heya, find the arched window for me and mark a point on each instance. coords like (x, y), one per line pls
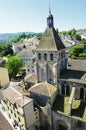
(67, 90)
(82, 93)
(45, 56)
(51, 56)
(63, 89)
(39, 56)
(62, 127)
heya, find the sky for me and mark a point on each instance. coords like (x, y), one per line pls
(30, 15)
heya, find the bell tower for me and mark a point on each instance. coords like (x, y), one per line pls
(50, 54)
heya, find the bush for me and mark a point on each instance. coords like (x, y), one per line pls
(75, 50)
(82, 55)
(73, 57)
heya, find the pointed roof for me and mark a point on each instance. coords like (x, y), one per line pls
(50, 41)
(43, 88)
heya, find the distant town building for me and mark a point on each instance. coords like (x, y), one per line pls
(17, 47)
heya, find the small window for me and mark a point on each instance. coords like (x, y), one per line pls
(45, 56)
(8, 107)
(39, 56)
(14, 114)
(50, 80)
(82, 93)
(15, 105)
(36, 117)
(9, 116)
(32, 71)
(51, 56)
(11, 111)
(19, 119)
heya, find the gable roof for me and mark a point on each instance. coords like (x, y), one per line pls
(50, 41)
(43, 88)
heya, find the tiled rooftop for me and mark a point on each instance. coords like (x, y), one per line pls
(76, 71)
(50, 41)
(31, 78)
(79, 65)
(4, 125)
(43, 88)
(14, 96)
(26, 52)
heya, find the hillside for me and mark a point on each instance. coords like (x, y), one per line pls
(6, 36)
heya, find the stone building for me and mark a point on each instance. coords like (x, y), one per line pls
(68, 111)
(50, 54)
(20, 109)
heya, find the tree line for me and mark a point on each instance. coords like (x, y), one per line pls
(23, 36)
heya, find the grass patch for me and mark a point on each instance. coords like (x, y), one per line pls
(76, 104)
(79, 111)
(61, 104)
(78, 107)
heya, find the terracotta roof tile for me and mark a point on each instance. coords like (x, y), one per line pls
(4, 124)
(15, 96)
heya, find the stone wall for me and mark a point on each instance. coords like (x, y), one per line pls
(69, 123)
(80, 89)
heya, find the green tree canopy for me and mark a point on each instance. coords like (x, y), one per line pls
(78, 37)
(76, 50)
(72, 32)
(14, 65)
(5, 50)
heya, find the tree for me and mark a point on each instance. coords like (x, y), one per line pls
(5, 50)
(83, 41)
(64, 32)
(78, 37)
(76, 50)
(72, 32)
(14, 65)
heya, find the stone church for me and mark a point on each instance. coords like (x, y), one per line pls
(60, 90)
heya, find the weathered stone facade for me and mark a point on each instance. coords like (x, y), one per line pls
(51, 62)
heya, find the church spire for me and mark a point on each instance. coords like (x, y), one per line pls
(50, 19)
(49, 10)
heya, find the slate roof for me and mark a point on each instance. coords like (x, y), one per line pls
(4, 125)
(76, 71)
(43, 88)
(50, 41)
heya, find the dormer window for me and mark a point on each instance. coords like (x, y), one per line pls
(39, 56)
(45, 56)
(51, 56)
